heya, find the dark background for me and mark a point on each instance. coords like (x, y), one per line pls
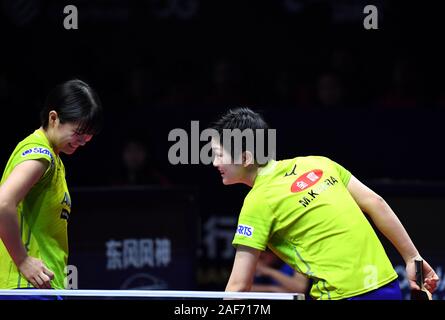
(372, 100)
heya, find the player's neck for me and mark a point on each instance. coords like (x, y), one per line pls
(48, 136)
(250, 176)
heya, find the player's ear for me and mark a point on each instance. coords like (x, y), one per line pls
(248, 158)
(52, 117)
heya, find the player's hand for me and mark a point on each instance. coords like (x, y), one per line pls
(35, 271)
(431, 278)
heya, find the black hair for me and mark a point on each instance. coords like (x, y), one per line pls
(74, 101)
(242, 119)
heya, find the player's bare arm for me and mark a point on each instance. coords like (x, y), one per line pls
(243, 270)
(12, 191)
(389, 224)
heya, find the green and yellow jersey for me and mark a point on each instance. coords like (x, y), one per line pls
(42, 214)
(301, 209)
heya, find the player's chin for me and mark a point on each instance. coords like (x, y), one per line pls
(226, 181)
(69, 151)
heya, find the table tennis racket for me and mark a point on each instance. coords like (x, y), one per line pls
(423, 293)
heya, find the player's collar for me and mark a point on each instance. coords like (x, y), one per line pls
(39, 133)
(267, 169)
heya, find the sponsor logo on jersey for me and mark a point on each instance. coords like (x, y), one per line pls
(306, 180)
(38, 150)
(64, 214)
(66, 206)
(244, 230)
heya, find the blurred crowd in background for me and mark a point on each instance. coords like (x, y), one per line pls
(152, 61)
